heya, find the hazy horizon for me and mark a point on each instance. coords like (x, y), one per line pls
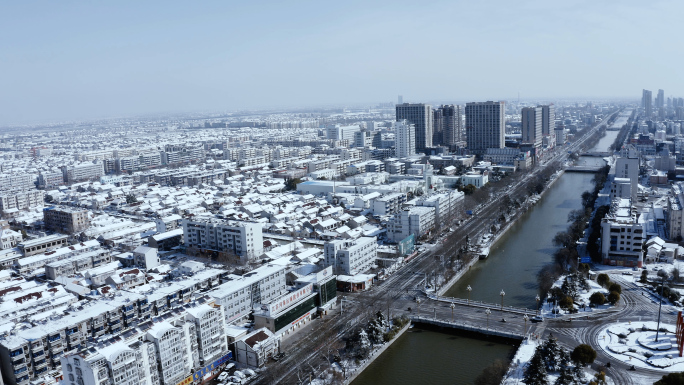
(77, 61)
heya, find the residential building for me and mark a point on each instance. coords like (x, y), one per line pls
(41, 245)
(628, 168)
(337, 132)
(82, 172)
(238, 294)
(67, 220)
(548, 118)
(50, 179)
(243, 240)
(675, 210)
(448, 117)
(351, 256)
(416, 221)
(406, 139)
(11, 182)
(485, 126)
(448, 206)
(420, 115)
(647, 103)
(21, 200)
(532, 126)
(255, 348)
(9, 238)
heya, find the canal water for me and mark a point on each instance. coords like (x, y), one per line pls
(421, 357)
(519, 255)
(427, 357)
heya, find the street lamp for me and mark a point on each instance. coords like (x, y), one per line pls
(525, 318)
(537, 299)
(660, 306)
(502, 294)
(452, 306)
(488, 312)
(469, 290)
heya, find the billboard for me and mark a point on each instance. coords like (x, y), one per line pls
(200, 373)
(288, 299)
(406, 245)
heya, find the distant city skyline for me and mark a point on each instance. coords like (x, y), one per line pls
(77, 61)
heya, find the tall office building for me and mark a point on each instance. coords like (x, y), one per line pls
(646, 103)
(485, 126)
(532, 126)
(406, 139)
(660, 99)
(420, 115)
(448, 117)
(548, 119)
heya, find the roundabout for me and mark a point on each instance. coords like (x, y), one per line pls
(641, 345)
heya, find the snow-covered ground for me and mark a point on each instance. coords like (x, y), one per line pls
(582, 302)
(634, 344)
(522, 357)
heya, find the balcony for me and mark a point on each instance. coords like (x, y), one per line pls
(39, 364)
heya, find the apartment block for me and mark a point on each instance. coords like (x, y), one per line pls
(10, 182)
(238, 294)
(417, 220)
(420, 115)
(66, 220)
(485, 126)
(351, 257)
(21, 200)
(83, 172)
(50, 179)
(242, 239)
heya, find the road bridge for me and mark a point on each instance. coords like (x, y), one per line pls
(588, 169)
(598, 154)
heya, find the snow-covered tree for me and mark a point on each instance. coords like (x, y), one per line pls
(567, 377)
(376, 329)
(552, 354)
(535, 372)
(359, 344)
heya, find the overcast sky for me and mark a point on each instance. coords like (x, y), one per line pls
(77, 60)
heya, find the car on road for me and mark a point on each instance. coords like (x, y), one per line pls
(538, 318)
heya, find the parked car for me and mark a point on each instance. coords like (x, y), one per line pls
(223, 376)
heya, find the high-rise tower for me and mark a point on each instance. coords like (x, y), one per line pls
(405, 144)
(532, 126)
(485, 126)
(420, 115)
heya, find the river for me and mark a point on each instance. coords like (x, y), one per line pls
(422, 357)
(427, 357)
